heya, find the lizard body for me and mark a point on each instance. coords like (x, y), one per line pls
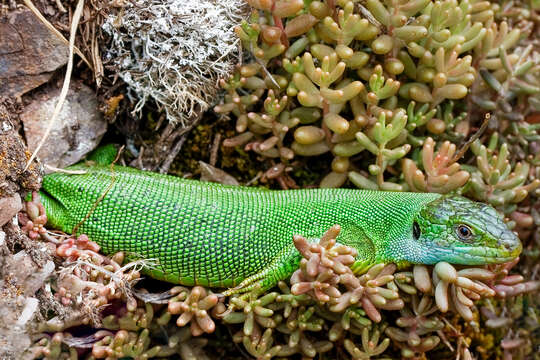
(224, 236)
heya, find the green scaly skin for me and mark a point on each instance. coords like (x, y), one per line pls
(223, 236)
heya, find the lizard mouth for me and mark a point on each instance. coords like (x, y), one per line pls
(479, 255)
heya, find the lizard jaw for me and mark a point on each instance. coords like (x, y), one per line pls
(480, 255)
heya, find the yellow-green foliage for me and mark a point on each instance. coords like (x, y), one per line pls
(370, 81)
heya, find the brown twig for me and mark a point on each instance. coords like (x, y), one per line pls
(215, 149)
(182, 133)
(473, 138)
(102, 196)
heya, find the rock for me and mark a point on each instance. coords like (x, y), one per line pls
(9, 207)
(20, 279)
(29, 53)
(14, 155)
(77, 130)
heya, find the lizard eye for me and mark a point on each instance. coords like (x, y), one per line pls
(416, 230)
(464, 232)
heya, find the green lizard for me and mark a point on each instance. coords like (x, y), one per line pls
(224, 236)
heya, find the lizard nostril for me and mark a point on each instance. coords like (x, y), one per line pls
(509, 240)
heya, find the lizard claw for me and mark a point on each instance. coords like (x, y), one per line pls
(248, 284)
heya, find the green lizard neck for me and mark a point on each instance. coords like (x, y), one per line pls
(379, 225)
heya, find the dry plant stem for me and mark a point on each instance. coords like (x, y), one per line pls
(104, 193)
(60, 6)
(55, 169)
(96, 57)
(194, 121)
(215, 149)
(473, 138)
(164, 168)
(41, 18)
(65, 87)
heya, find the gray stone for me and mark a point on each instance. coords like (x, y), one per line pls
(77, 130)
(29, 53)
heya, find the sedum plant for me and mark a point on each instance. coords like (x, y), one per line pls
(369, 82)
(422, 95)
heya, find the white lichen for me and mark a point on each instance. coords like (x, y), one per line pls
(174, 51)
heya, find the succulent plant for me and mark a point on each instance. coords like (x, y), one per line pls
(496, 181)
(335, 73)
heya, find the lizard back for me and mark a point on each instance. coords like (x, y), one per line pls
(210, 234)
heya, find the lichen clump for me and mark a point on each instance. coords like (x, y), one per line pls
(173, 51)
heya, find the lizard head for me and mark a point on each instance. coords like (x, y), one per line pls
(460, 231)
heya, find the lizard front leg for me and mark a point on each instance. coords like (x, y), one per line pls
(280, 268)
